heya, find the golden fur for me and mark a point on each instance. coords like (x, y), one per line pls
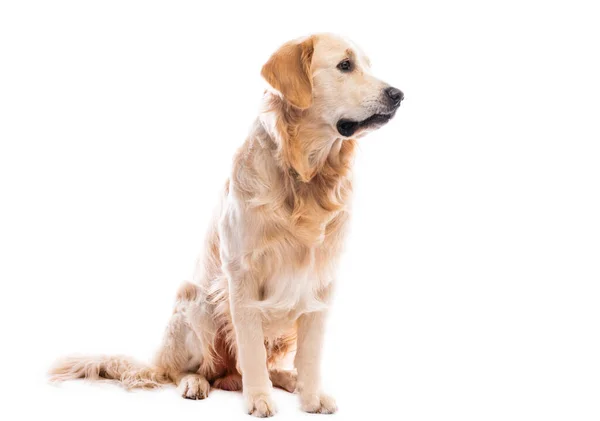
(263, 285)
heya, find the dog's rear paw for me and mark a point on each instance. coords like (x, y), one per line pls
(284, 379)
(318, 403)
(261, 405)
(194, 386)
(232, 382)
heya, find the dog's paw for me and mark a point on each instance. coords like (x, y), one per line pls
(194, 386)
(231, 382)
(260, 405)
(318, 403)
(284, 379)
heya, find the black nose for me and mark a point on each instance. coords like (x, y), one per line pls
(395, 95)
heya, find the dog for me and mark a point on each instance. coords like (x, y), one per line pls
(262, 287)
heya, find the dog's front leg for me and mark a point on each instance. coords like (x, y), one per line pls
(252, 355)
(308, 363)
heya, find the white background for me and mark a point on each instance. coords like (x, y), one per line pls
(469, 289)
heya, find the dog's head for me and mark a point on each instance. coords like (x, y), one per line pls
(329, 78)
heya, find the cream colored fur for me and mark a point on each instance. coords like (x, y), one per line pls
(263, 285)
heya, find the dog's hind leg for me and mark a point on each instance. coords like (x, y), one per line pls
(182, 353)
(283, 379)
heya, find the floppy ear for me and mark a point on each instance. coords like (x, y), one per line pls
(288, 71)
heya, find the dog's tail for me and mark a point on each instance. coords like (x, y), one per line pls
(129, 373)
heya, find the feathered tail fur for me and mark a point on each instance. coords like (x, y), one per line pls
(130, 373)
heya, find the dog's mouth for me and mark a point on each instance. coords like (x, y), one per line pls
(348, 127)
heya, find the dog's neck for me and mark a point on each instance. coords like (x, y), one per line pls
(302, 147)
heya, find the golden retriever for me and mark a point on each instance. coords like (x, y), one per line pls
(263, 285)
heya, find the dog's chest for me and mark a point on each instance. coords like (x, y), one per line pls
(306, 254)
(309, 212)
(303, 277)
(294, 291)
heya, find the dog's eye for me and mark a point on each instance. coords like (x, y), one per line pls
(345, 65)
